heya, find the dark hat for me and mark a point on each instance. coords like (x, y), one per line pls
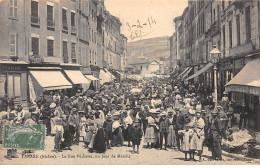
(214, 113)
(97, 105)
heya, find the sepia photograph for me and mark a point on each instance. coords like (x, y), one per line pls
(130, 82)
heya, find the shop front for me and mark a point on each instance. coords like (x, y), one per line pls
(46, 81)
(74, 75)
(245, 86)
(13, 81)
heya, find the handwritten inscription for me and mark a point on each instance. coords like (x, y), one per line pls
(139, 29)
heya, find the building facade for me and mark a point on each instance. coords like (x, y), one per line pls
(53, 35)
(233, 26)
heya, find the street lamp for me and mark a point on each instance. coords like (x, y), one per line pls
(214, 56)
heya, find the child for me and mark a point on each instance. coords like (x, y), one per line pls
(58, 128)
(187, 133)
(136, 136)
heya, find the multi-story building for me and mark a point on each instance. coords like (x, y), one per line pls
(50, 42)
(112, 57)
(233, 26)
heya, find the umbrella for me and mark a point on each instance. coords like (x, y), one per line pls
(136, 90)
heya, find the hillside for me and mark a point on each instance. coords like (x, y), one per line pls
(153, 48)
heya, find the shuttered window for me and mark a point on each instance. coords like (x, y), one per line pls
(65, 52)
(50, 47)
(34, 9)
(73, 53)
(64, 19)
(13, 41)
(35, 46)
(73, 19)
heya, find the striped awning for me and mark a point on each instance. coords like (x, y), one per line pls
(202, 70)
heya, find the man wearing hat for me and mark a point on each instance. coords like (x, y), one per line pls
(225, 101)
(164, 125)
(47, 112)
(199, 130)
(244, 115)
(216, 133)
(108, 129)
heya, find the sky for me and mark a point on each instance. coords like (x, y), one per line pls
(142, 19)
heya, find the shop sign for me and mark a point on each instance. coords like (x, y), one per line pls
(12, 68)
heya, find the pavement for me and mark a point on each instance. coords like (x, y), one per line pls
(117, 156)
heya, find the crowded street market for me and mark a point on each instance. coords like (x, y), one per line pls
(162, 113)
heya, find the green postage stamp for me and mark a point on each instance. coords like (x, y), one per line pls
(24, 137)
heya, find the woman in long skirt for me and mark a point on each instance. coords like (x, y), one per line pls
(117, 136)
(99, 141)
(90, 129)
(149, 133)
(172, 135)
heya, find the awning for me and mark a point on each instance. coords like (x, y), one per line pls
(185, 70)
(186, 73)
(105, 76)
(247, 80)
(51, 79)
(202, 70)
(91, 77)
(76, 77)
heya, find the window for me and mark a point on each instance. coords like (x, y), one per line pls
(64, 19)
(90, 57)
(13, 8)
(248, 24)
(50, 47)
(214, 15)
(223, 4)
(92, 15)
(95, 59)
(224, 39)
(238, 29)
(230, 33)
(65, 52)
(73, 53)
(35, 12)
(35, 46)
(218, 10)
(13, 38)
(13, 85)
(92, 36)
(50, 19)
(73, 19)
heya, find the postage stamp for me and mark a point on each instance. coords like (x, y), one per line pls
(24, 137)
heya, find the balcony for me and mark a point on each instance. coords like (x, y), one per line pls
(241, 49)
(239, 4)
(38, 59)
(50, 24)
(65, 28)
(101, 17)
(35, 21)
(214, 29)
(73, 30)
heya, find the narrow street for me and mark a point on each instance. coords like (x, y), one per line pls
(116, 155)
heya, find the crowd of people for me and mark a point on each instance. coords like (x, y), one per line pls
(165, 114)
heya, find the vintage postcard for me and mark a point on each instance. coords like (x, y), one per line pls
(129, 82)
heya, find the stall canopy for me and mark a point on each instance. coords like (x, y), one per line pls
(91, 77)
(186, 73)
(183, 72)
(77, 77)
(105, 76)
(202, 70)
(51, 79)
(247, 80)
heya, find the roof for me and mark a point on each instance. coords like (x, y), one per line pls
(139, 61)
